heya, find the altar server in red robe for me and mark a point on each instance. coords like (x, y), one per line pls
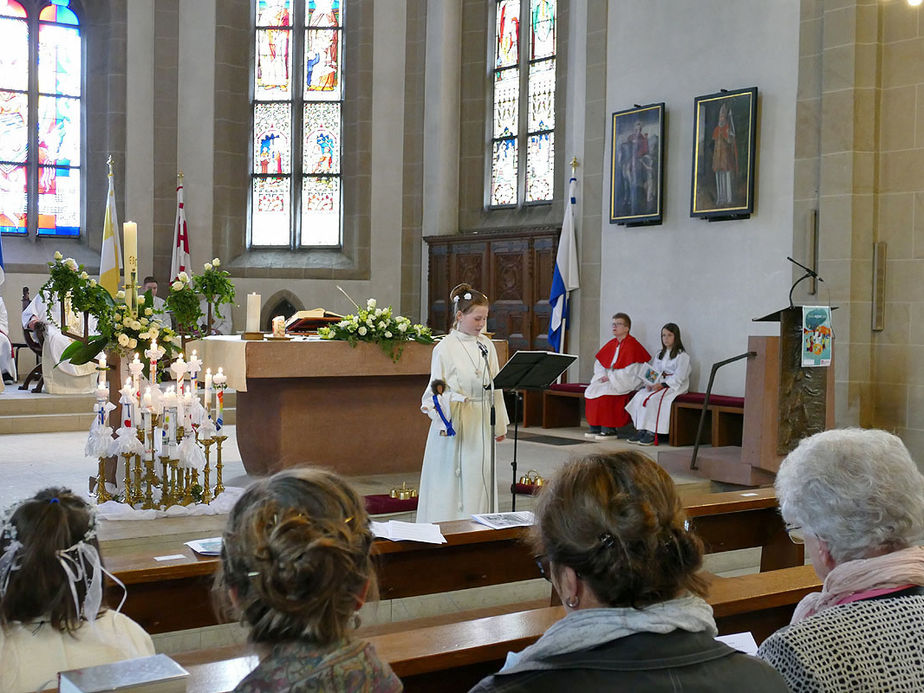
(616, 378)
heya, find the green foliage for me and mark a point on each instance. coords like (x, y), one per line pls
(215, 285)
(183, 303)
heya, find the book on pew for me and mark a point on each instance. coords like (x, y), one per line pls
(206, 547)
(504, 520)
(157, 674)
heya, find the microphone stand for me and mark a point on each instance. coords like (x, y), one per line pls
(492, 496)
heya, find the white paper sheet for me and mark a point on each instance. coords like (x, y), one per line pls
(743, 642)
(504, 520)
(396, 530)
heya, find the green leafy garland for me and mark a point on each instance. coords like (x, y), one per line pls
(215, 284)
(379, 326)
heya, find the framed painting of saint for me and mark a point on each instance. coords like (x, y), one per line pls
(636, 166)
(724, 145)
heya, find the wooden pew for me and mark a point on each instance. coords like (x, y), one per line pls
(453, 657)
(474, 556)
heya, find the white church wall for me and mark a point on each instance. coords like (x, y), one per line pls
(710, 278)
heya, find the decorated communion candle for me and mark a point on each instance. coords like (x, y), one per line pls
(193, 366)
(252, 323)
(153, 355)
(279, 326)
(101, 377)
(207, 397)
(220, 381)
(135, 368)
(130, 250)
(128, 405)
(179, 368)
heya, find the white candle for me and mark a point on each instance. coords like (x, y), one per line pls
(207, 397)
(253, 313)
(146, 400)
(101, 367)
(193, 366)
(135, 368)
(130, 245)
(220, 380)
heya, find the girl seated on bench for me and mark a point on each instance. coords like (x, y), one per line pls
(650, 408)
(296, 567)
(51, 589)
(611, 537)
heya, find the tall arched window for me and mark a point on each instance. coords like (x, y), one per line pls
(41, 69)
(296, 191)
(522, 149)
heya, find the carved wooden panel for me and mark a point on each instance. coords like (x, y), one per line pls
(513, 268)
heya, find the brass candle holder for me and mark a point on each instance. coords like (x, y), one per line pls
(102, 495)
(148, 503)
(206, 491)
(165, 499)
(219, 488)
(129, 496)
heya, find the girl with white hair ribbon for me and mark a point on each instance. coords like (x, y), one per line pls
(52, 616)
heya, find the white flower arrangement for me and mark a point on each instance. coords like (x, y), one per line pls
(380, 326)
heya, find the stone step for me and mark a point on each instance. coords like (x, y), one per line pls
(54, 423)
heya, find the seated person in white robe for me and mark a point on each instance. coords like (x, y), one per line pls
(7, 362)
(650, 408)
(66, 379)
(220, 325)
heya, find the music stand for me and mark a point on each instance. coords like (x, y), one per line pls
(526, 370)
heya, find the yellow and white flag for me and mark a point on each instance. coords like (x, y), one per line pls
(111, 251)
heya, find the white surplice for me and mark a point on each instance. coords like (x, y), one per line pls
(66, 378)
(652, 411)
(455, 478)
(7, 363)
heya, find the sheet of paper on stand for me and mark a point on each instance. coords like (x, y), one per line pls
(395, 530)
(743, 642)
(206, 547)
(502, 520)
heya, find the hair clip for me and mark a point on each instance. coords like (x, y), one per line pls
(608, 540)
(54, 500)
(467, 296)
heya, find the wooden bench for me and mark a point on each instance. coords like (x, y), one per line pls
(453, 657)
(558, 407)
(474, 556)
(724, 419)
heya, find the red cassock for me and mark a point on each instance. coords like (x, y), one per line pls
(610, 410)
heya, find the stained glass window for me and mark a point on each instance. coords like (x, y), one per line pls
(297, 123)
(41, 132)
(522, 151)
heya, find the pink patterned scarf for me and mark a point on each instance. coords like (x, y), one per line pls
(893, 570)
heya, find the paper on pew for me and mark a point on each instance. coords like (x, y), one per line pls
(395, 530)
(206, 547)
(503, 520)
(743, 642)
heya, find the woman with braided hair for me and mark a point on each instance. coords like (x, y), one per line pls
(52, 616)
(295, 568)
(611, 538)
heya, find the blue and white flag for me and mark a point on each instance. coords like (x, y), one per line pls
(565, 279)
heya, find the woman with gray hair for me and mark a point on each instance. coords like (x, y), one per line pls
(856, 500)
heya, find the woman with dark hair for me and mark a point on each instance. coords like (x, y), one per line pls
(455, 479)
(612, 540)
(51, 588)
(855, 498)
(295, 568)
(650, 408)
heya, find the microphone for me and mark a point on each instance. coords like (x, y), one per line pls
(483, 349)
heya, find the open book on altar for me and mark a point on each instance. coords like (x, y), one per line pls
(311, 320)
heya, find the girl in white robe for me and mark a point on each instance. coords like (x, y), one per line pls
(455, 480)
(650, 408)
(7, 362)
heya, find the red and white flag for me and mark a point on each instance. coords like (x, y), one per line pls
(180, 261)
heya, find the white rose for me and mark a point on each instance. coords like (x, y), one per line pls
(362, 330)
(215, 262)
(378, 312)
(402, 327)
(369, 322)
(370, 304)
(84, 275)
(58, 255)
(143, 321)
(71, 264)
(132, 343)
(183, 277)
(177, 285)
(92, 282)
(136, 325)
(123, 340)
(387, 334)
(381, 325)
(207, 266)
(140, 298)
(143, 335)
(148, 311)
(127, 322)
(120, 294)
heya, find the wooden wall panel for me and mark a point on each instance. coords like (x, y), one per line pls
(513, 268)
